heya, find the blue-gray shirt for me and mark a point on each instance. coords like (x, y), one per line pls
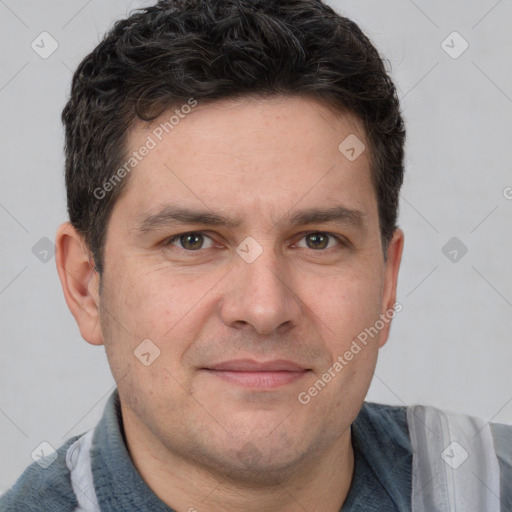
(381, 481)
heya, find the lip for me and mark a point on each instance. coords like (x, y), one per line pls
(249, 365)
(254, 374)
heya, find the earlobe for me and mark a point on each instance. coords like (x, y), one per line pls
(80, 282)
(392, 267)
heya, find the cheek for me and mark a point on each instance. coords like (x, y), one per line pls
(146, 332)
(347, 304)
(146, 300)
(168, 309)
(164, 303)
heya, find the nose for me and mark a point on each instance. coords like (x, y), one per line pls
(261, 295)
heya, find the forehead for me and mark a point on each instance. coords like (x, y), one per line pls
(251, 155)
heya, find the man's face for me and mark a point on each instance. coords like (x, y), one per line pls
(233, 308)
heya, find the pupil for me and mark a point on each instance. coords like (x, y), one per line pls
(194, 239)
(318, 240)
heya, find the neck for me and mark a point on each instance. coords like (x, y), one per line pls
(320, 483)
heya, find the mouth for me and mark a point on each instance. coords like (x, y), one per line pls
(261, 375)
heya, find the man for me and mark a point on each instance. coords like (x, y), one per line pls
(233, 171)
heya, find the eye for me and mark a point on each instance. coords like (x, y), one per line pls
(192, 241)
(318, 240)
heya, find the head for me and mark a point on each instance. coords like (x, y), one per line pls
(241, 111)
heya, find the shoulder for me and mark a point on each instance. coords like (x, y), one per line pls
(42, 488)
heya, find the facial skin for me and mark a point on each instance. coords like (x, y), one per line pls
(197, 437)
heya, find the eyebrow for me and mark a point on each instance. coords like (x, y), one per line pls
(175, 215)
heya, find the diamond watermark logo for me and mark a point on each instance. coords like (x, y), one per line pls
(351, 147)
(147, 352)
(249, 250)
(44, 250)
(454, 249)
(44, 45)
(454, 45)
(249, 454)
(45, 455)
(454, 455)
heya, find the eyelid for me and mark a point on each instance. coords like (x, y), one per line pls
(170, 240)
(343, 242)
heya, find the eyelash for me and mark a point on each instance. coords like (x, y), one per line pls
(169, 241)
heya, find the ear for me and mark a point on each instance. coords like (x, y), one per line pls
(80, 282)
(391, 268)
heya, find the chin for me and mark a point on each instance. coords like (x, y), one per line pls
(256, 466)
(261, 460)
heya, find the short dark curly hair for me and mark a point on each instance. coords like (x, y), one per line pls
(163, 55)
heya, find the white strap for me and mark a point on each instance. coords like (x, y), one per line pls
(455, 468)
(78, 461)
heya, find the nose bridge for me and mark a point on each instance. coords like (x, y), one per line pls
(266, 275)
(261, 294)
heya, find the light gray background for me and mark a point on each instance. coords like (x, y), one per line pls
(449, 347)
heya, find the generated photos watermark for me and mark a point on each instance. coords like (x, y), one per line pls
(358, 343)
(152, 141)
